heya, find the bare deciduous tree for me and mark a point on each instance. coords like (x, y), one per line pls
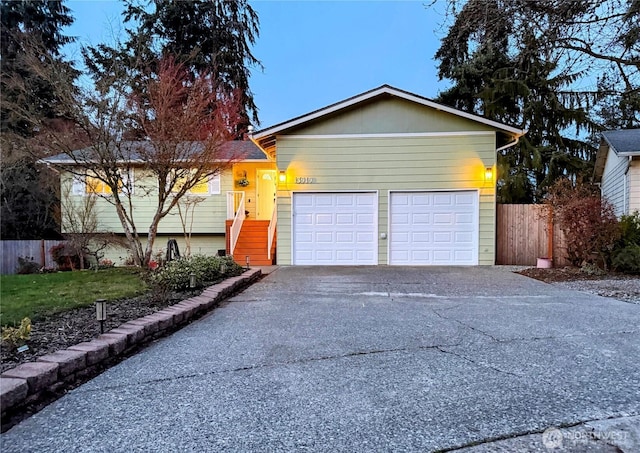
(181, 123)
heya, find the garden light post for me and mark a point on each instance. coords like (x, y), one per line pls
(101, 313)
(192, 280)
(247, 262)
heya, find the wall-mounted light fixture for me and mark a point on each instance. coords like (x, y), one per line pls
(283, 176)
(488, 174)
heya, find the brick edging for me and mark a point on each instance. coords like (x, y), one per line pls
(29, 383)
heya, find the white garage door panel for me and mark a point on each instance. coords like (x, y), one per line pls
(335, 228)
(439, 228)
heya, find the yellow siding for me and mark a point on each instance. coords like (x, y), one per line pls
(250, 170)
(209, 218)
(387, 164)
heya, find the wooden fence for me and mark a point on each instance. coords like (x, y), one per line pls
(522, 236)
(39, 250)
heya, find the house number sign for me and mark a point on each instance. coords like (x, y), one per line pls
(305, 180)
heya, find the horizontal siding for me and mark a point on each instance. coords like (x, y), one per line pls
(283, 251)
(209, 214)
(389, 115)
(613, 185)
(388, 164)
(200, 245)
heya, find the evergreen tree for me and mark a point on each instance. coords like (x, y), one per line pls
(516, 62)
(30, 28)
(212, 37)
(33, 74)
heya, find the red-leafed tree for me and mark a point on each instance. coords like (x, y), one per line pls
(180, 124)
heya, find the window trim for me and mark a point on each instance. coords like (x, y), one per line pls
(80, 185)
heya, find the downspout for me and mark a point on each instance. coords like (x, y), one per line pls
(508, 145)
(513, 143)
(624, 187)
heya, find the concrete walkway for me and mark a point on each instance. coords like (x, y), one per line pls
(370, 359)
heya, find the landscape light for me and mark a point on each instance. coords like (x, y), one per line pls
(101, 313)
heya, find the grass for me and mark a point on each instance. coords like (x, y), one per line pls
(37, 295)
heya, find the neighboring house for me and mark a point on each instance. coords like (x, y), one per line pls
(386, 177)
(617, 169)
(246, 190)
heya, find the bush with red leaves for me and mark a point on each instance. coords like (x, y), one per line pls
(588, 222)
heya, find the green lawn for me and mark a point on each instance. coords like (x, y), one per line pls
(36, 295)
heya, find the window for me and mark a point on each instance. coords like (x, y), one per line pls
(209, 186)
(85, 185)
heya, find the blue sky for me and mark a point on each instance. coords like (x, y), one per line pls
(315, 53)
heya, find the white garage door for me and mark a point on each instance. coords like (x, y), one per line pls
(433, 228)
(335, 228)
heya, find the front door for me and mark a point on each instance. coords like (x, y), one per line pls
(266, 188)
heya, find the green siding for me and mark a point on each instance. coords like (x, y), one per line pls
(209, 214)
(200, 245)
(386, 164)
(388, 115)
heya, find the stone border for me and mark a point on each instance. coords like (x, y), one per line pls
(36, 382)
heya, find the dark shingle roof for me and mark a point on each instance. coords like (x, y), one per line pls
(130, 152)
(625, 141)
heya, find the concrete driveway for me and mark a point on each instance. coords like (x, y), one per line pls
(370, 359)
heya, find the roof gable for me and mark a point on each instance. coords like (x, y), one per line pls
(624, 142)
(387, 115)
(265, 137)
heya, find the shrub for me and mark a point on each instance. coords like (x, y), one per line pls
(629, 230)
(627, 259)
(588, 222)
(176, 275)
(14, 337)
(65, 257)
(26, 265)
(105, 264)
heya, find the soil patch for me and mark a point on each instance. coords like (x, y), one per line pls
(567, 274)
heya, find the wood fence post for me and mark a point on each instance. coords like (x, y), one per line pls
(43, 255)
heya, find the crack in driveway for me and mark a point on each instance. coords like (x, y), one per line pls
(279, 364)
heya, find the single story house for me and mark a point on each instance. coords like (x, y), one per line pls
(617, 169)
(383, 177)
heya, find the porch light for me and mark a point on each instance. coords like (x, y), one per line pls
(488, 174)
(283, 176)
(101, 313)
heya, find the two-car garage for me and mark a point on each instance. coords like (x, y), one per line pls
(424, 228)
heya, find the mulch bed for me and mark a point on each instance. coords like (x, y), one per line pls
(567, 274)
(71, 327)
